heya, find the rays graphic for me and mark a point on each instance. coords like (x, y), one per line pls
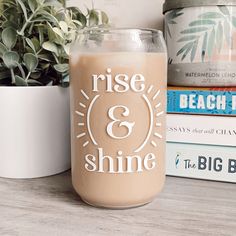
(85, 118)
(151, 96)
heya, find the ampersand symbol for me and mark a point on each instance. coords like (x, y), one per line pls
(126, 124)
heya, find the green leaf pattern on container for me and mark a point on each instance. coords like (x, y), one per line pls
(208, 33)
(170, 20)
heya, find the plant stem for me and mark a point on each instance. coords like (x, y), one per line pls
(56, 59)
(13, 79)
(21, 32)
(21, 70)
(40, 50)
(27, 77)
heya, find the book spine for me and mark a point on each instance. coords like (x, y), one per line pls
(201, 161)
(213, 130)
(206, 102)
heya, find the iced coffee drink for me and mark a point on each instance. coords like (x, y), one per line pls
(118, 100)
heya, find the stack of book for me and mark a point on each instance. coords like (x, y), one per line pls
(201, 133)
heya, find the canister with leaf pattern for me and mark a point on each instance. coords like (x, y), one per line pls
(201, 40)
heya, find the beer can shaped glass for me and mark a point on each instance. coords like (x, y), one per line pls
(118, 102)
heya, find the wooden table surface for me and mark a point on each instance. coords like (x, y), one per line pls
(49, 206)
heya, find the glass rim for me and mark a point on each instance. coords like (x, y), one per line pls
(121, 31)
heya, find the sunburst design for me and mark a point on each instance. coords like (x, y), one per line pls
(82, 105)
(156, 95)
(158, 105)
(157, 135)
(86, 143)
(153, 143)
(85, 118)
(81, 135)
(153, 97)
(79, 113)
(159, 113)
(150, 89)
(84, 94)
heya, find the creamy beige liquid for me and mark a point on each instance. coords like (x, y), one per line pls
(118, 110)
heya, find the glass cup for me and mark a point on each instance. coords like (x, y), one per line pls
(118, 102)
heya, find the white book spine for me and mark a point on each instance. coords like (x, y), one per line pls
(213, 130)
(201, 161)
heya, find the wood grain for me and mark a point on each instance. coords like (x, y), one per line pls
(49, 206)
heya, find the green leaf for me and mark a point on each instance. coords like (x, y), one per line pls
(224, 10)
(9, 23)
(211, 15)
(58, 32)
(9, 37)
(64, 26)
(184, 48)
(188, 38)
(41, 34)
(11, 59)
(45, 57)
(49, 46)
(33, 5)
(51, 34)
(31, 61)
(65, 81)
(202, 22)
(45, 66)
(4, 74)
(50, 83)
(194, 50)
(30, 43)
(82, 18)
(54, 35)
(219, 37)
(34, 82)
(36, 44)
(168, 30)
(23, 7)
(194, 30)
(67, 49)
(174, 14)
(93, 18)
(77, 15)
(105, 19)
(44, 15)
(188, 50)
(52, 3)
(20, 81)
(78, 23)
(41, 2)
(35, 75)
(61, 68)
(211, 43)
(3, 49)
(204, 46)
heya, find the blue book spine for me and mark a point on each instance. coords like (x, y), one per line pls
(203, 102)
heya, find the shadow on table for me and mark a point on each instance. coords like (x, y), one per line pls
(59, 187)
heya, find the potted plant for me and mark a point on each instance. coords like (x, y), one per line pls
(35, 37)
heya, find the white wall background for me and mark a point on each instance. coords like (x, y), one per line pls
(128, 13)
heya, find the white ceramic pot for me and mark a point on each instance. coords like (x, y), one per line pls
(34, 131)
